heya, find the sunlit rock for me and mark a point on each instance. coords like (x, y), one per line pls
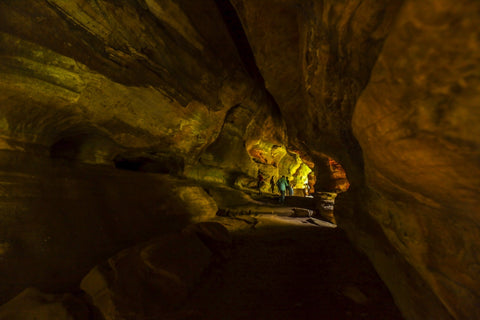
(338, 176)
(325, 206)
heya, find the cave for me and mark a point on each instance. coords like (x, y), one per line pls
(132, 135)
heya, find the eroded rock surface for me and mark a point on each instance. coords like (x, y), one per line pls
(147, 281)
(59, 219)
(417, 123)
(147, 86)
(216, 91)
(34, 304)
(117, 80)
(154, 279)
(315, 57)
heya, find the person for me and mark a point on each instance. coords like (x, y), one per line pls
(272, 184)
(282, 186)
(306, 190)
(289, 193)
(291, 185)
(260, 182)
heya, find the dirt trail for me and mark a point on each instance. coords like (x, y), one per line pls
(278, 270)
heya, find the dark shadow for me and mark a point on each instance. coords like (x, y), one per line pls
(235, 28)
(293, 273)
(68, 147)
(158, 163)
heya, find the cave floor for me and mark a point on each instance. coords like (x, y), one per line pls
(290, 268)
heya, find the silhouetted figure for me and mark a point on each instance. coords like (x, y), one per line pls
(289, 188)
(306, 189)
(260, 182)
(282, 187)
(272, 184)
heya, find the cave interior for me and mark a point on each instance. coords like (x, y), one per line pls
(142, 143)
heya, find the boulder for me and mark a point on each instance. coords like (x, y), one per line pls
(32, 304)
(300, 212)
(213, 234)
(148, 280)
(197, 202)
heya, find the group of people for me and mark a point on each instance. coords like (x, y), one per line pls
(283, 185)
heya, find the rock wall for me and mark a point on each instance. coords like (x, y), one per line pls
(412, 157)
(58, 219)
(316, 57)
(216, 92)
(417, 123)
(95, 80)
(87, 86)
(140, 85)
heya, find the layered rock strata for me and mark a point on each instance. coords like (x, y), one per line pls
(89, 86)
(421, 107)
(217, 92)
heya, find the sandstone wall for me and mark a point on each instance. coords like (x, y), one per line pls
(417, 123)
(94, 80)
(141, 85)
(316, 57)
(58, 219)
(412, 157)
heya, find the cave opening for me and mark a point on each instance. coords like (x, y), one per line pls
(312, 185)
(320, 181)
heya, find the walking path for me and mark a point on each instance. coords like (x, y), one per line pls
(282, 267)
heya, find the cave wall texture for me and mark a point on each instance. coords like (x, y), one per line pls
(425, 181)
(87, 86)
(215, 91)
